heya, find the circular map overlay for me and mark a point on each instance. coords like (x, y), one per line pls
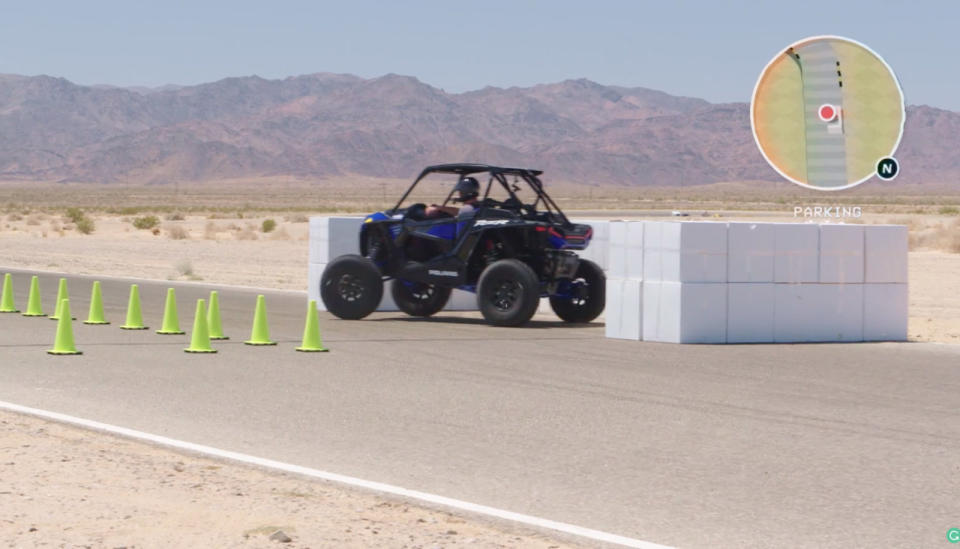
(825, 110)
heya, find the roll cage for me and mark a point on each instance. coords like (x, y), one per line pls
(499, 175)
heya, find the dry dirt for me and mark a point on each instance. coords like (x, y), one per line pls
(67, 487)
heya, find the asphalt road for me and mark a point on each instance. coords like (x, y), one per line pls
(839, 445)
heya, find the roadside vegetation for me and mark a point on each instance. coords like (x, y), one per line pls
(255, 210)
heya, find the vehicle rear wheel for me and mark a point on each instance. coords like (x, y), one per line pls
(588, 295)
(351, 287)
(508, 293)
(419, 299)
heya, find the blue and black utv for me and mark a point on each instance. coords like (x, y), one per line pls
(508, 251)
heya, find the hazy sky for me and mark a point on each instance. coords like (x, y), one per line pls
(702, 49)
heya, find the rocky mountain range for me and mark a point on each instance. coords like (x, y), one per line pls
(324, 125)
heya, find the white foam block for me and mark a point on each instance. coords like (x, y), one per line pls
(684, 312)
(319, 243)
(750, 312)
(634, 249)
(617, 249)
(885, 253)
(613, 328)
(600, 243)
(818, 312)
(386, 302)
(652, 250)
(624, 311)
(461, 301)
(314, 271)
(632, 312)
(318, 227)
(333, 236)
(841, 254)
(686, 252)
(885, 312)
(750, 252)
(796, 253)
(344, 236)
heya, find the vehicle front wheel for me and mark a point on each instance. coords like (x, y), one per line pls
(508, 293)
(419, 299)
(351, 287)
(587, 295)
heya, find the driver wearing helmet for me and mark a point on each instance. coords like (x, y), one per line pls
(468, 190)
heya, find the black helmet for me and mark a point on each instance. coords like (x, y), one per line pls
(466, 189)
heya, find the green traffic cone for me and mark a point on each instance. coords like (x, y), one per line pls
(63, 345)
(213, 317)
(61, 295)
(96, 316)
(134, 317)
(200, 339)
(171, 321)
(311, 331)
(6, 300)
(260, 335)
(34, 308)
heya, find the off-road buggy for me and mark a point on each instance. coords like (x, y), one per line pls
(507, 251)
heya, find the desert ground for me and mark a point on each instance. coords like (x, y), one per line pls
(217, 233)
(69, 487)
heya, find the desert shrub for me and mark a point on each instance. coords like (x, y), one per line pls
(175, 216)
(33, 220)
(126, 210)
(146, 222)
(75, 215)
(268, 225)
(85, 225)
(298, 218)
(14, 217)
(184, 267)
(176, 232)
(949, 210)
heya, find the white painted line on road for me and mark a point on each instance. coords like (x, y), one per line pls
(547, 524)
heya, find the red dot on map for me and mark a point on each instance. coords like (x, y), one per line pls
(827, 113)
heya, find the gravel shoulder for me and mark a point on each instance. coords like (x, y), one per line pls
(66, 486)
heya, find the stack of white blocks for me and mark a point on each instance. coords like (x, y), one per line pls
(331, 237)
(707, 282)
(623, 314)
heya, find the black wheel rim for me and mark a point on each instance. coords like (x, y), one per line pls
(506, 294)
(422, 293)
(349, 288)
(581, 294)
